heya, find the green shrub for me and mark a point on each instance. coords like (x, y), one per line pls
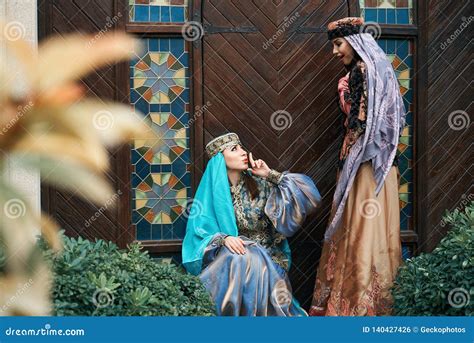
(441, 282)
(97, 279)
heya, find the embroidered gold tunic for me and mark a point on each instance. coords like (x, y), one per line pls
(252, 221)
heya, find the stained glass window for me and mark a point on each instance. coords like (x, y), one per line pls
(158, 11)
(407, 252)
(387, 11)
(160, 167)
(400, 54)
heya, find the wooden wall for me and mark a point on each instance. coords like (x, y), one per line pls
(445, 157)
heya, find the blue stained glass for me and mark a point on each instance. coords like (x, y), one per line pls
(403, 16)
(382, 16)
(142, 168)
(155, 13)
(186, 179)
(177, 14)
(398, 51)
(391, 18)
(180, 228)
(160, 181)
(391, 46)
(406, 252)
(387, 12)
(177, 49)
(135, 180)
(142, 105)
(164, 45)
(166, 108)
(156, 168)
(142, 13)
(165, 14)
(166, 168)
(179, 168)
(135, 156)
(156, 232)
(402, 49)
(143, 230)
(153, 45)
(371, 15)
(167, 232)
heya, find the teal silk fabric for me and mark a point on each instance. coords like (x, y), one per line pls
(211, 212)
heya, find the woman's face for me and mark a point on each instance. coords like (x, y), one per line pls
(342, 49)
(236, 158)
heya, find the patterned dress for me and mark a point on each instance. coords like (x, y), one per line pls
(256, 283)
(360, 261)
(252, 221)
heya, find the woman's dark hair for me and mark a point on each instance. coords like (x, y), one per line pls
(356, 90)
(251, 185)
(354, 61)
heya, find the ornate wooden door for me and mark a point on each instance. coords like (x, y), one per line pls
(264, 69)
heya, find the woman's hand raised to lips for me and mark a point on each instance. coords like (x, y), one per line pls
(259, 167)
(235, 244)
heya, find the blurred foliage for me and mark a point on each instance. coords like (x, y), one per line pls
(440, 283)
(47, 125)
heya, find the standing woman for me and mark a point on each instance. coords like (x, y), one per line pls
(237, 228)
(362, 248)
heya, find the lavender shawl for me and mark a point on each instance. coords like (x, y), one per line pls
(385, 120)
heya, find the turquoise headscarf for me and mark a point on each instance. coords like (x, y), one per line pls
(211, 212)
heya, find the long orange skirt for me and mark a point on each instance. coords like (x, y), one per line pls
(359, 263)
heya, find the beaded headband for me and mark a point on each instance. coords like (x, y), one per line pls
(345, 27)
(221, 143)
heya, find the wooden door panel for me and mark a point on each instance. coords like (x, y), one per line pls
(74, 215)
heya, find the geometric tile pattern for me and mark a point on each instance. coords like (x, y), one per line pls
(161, 177)
(400, 53)
(387, 11)
(158, 11)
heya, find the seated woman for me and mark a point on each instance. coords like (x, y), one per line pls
(237, 229)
